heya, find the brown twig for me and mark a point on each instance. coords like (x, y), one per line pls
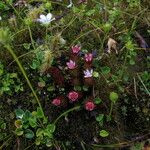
(135, 88)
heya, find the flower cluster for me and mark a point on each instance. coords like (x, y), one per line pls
(80, 72)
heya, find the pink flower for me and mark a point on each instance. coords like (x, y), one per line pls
(56, 102)
(76, 49)
(88, 57)
(73, 96)
(88, 73)
(89, 105)
(71, 64)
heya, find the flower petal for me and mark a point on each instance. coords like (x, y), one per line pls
(49, 16)
(43, 17)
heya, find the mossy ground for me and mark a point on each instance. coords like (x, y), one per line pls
(79, 129)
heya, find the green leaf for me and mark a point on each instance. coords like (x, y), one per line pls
(51, 128)
(38, 141)
(90, 12)
(132, 62)
(5, 37)
(129, 45)
(49, 143)
(76, 10)
(18, 123)
(13, 75)
(26, 116)
(39, 132)
(25, 125)
(113, 97)
(104, 133)
(45, 120)
(107, 27)
(19, 131)
(48, 133)
(3, 6)
(39, 113)
(1, 71)
(19, 113)
(39, 55)
(97, 100)
(77, 88)
(100, 117)
(2, 136)
(3, 126)
(85, 88)
(34, 113)
(33, 122)
(108, 118)
(138, 146)
(35, 64)
(95, 74)
(48, 5)
(29, 134)
(27, 45)
(41, 84)
(51, 88)
(105, 70)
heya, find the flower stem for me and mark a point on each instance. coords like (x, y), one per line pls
(111, 108)
(31, 37)
(25, 75)
(66, 112)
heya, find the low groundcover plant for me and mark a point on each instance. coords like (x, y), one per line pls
(74, 75)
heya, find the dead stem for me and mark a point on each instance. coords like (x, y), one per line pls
(143, 84)
(135, 88)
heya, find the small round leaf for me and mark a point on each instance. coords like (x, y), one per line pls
(103, 133)
(97, 100)
(51, 128)
(19, 131)
(100, 117)
(113, 97)
(19, 113)
(18, 123)
(29, 134)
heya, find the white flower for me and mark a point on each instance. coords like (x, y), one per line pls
(0, 18)
(46, 19)
(88, 73)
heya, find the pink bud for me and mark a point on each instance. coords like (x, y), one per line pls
(73, 96)
(71, 64)
(88, 57)
(89, 105)
(75, 49)
(56, 102)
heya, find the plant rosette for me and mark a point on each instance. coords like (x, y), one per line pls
(88, 77)
(73, 69)
(75, 50)
(88, 59)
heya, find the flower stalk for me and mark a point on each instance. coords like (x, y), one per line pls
(8, 47)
